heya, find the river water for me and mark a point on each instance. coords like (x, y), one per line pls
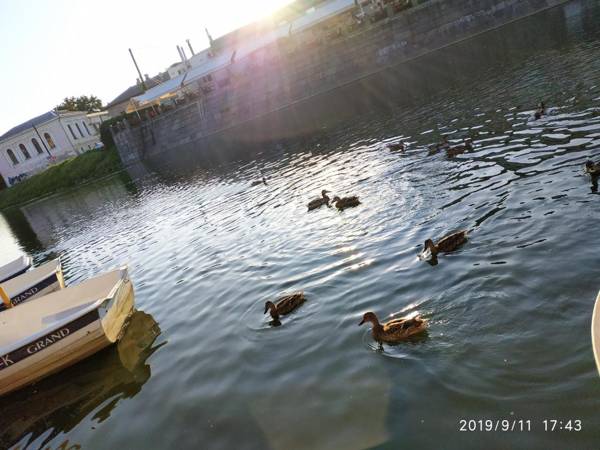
(509, 313)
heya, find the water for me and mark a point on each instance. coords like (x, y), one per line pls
(509, 313)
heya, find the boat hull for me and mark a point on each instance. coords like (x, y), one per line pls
(69, 344)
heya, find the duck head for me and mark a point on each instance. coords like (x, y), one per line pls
(431, 246)
(589, 165)
(270, 306)
(324, 195)
(469, 144)
(369, 317)
(336, 199)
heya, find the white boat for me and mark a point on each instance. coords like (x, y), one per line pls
(32, 284)
(596, 332)
(44, 336)
(15, 268)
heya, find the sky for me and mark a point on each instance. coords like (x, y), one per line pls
(52, 49)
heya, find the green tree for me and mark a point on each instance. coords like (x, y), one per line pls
(82, 103)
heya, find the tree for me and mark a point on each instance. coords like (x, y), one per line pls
(82, 103)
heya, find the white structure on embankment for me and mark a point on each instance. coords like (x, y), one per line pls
(54, 136)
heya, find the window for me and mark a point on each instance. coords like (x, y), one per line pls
(49, 140)
(86, 128)
(12, 157)
(71, 130)
(79, 129)
(36, 144)
(24, 151)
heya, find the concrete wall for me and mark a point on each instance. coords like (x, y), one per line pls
(266, 94)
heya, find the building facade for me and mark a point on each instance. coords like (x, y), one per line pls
(54, 136)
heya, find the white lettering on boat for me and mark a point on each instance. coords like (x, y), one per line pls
(6, 361)
(48, 340)
(24, 296)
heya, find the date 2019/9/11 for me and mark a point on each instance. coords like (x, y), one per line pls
(518, 425)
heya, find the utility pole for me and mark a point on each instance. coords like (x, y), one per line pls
(138, 71)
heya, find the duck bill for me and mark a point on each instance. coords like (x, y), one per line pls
(266, 309)
(361, 322)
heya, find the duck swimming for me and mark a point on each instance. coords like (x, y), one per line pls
(284, 305)
(592, 168)
(318, 202)
(345, 202)
(396, 330)
(436, 148)
(540, 111)
(460, 149)
(446, 244)
(257, 182)
(398, 146)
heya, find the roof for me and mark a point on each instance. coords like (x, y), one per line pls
(323, 11)
(46, 117)
(137, 89)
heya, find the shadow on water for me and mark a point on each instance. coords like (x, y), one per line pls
(34, 416)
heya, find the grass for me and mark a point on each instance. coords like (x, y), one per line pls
(63, 176)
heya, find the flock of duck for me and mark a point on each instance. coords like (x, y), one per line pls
(397, 330)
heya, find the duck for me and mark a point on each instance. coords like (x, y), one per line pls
(257, 182)
(398, 146)
(318, 202)
(460, 149)
(284, 305)
(396, 330)
(345, 202)
(447, 244)
(444, 145)
(592, 168)
(540, 111)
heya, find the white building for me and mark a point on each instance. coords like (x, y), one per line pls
(54, 136)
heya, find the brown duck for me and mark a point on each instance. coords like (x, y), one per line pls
(396, 330)
(397, 147)
(346, 202)
(284, 305)
(446, 244)
(318, 202)
(592, 168)
(460, 149)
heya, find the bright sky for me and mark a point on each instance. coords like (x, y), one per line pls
(51, 49)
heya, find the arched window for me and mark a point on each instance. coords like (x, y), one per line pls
(49, 140)
(36, 144)
(86, 128)
(12, 157)
(24, 151)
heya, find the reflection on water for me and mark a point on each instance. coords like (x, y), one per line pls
(35, 416)
(509, 313)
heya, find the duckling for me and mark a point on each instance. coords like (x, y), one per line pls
(345, 202)
(398, 146)
(460, 149)
(592, 168)
(285, 305)
(395, 330)
(446, 244)
(318, 202)
(257, 182)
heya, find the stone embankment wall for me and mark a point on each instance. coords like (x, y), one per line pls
(268, 94)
